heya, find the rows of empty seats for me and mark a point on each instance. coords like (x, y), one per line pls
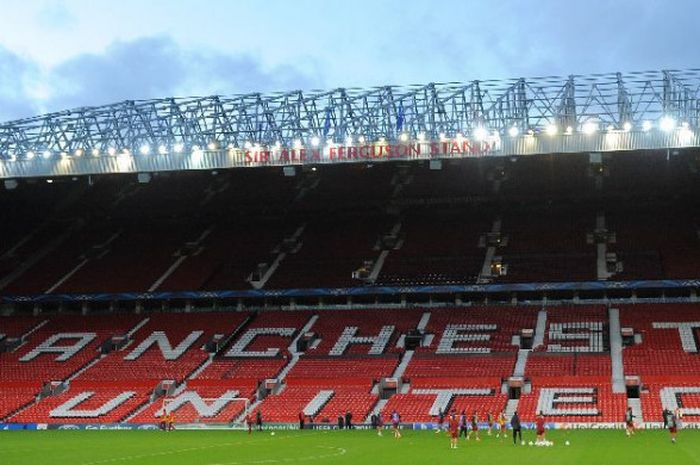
(339, 368)
(90, 402)
(460, 366)
(498, 326)
(167, 347)
(437, 248)
(470, 351)
(667, 392)
(337, 400)
(350, 326)
(548, 245)
(15, 395)
(416, 406)
(575, 401)
(201, 401)
(664, 348)
(37, 361)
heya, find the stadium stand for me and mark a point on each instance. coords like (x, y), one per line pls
(187, 232)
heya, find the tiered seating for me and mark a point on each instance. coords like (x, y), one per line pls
(286, 406)
(216, 402)
(661, 351)
(332, 248)
(552, 176)
(503, 323)
(482, 396)
(153, 364)
(438, 248)
(456, 366)
(232, 366)
(671, 386)
(25, 214)
(238, 368)
(548, 245)
(605, 407)
(93, 402)
(15, 395)
(331, 325)
(543, 365)
(158, 241)
(364, 186)
(666, 247)
(17, 326)
(228, 256)
(356, 400)
(45, 366)
(568, 349)
(457, 180)
(74, 250)
(337, 369)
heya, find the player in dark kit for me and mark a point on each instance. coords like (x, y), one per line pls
(441, 421)
(515, 425)
(463, 429)
(395, 423)
(629, 422)
(258, 420)
(475, 427)
(249, 422)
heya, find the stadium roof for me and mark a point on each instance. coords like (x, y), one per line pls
(587, 113)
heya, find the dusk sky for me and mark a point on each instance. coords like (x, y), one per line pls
(57, 55)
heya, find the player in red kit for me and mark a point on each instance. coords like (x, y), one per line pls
(454, 431)
(539, 425)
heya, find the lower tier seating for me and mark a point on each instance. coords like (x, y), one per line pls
(89, 402)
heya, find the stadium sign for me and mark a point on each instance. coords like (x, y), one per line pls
(332, 153)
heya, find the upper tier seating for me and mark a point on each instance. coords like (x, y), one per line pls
(438, 248)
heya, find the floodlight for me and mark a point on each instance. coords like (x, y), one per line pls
(590, 128)
(667, 124)
(480, 133)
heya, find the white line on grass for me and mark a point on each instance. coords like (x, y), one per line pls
(187, 449)
(339, 451)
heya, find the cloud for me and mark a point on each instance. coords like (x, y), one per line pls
(15, 77)
(157, 67)
(145, 68)
(55, 16)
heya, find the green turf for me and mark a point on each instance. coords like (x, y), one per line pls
(332, 447)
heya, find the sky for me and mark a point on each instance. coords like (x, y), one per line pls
(57, 55)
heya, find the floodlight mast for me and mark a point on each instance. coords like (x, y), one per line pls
(573, 113)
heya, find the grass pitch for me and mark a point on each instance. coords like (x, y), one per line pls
(337, 448)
